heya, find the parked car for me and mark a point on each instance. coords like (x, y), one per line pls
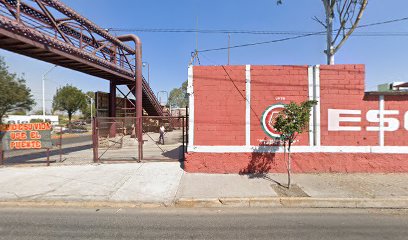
(59, 129)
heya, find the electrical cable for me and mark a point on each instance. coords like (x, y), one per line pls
(226, 31)
(299, 36)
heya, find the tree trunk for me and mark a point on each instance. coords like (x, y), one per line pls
(284, 154)
(329, 32)
(69, 122)
(289, 166)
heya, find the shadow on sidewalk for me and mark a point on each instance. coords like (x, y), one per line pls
(30, 156)
(263, 158)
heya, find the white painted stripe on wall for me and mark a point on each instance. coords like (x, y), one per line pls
(317, 133)
(190, 91)
(311, 96)
(381, 132)
(248, 105)
(300, 149)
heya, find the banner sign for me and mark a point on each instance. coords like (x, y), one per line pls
(25, 136)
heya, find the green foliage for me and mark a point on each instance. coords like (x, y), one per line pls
(19, 112)
(86, 110)
(293, 120)
(36, 120)
(177, 96)
(38, 112)
(63, 119)
(14, 94)
(69, 99)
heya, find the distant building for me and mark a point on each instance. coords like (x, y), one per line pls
(21, 119)
(178, 112)
(394, 86)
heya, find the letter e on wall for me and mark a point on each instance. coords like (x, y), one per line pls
(335, 119)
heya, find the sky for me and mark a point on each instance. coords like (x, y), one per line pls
(168, 54)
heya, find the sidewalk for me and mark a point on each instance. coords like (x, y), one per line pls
(166, 184)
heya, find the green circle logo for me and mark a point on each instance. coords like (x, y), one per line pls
(268, 119)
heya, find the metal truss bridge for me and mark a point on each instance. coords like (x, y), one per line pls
(49, 30)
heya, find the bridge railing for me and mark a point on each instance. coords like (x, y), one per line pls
(63, 26)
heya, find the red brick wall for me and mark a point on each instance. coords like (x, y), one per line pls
(399, 137)
(275, 84)
(219, 119)
(219, 105)
(342, 87)
(219, 94)
(219, 99)
(301, 163)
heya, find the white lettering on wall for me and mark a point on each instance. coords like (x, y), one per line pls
(374, 117)
(335, 119)
(406, 121)
(280, 98)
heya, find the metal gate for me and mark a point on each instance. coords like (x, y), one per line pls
(172, 146)
(115, 138)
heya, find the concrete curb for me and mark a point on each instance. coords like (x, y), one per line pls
(266, 202)
(81, 204)
(303, 202)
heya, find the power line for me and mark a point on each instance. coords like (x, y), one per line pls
(228, 31)
(383, 22)
(260, 43)
(300, 36)
(379, 34)
(209, 31)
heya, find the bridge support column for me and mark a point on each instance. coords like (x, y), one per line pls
(139, 97)
(112, 108)
(138, 88)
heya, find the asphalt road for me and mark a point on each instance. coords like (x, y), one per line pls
(202, 224)
(74, 140)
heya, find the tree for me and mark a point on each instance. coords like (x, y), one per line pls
(346, 15)
(177, 96)
(38, 112)
(291, 122)
(69, 99)
(20, 112)
(86, 110)
(14, 93)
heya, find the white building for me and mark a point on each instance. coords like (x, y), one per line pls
(19, 119)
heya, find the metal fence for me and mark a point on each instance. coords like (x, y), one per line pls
(69, 147)
(115, 138)
(110, 140)
(172, 146)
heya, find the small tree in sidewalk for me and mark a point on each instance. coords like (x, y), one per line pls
(291, 122)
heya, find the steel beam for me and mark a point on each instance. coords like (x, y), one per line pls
(138, 87)
(112, 108)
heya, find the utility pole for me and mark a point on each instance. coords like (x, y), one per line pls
(197, 33)
(148, 71)
(92, 102)
(196, 49)
(43, 88)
